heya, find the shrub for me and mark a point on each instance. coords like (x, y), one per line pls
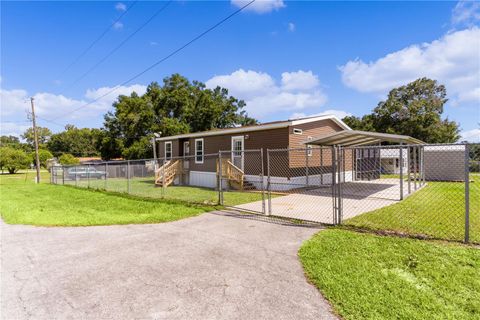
(67, 159)
(13, 159)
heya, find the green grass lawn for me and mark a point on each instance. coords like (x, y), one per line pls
(366, 276)
(145, 187)
(23, 202)
(438, 210)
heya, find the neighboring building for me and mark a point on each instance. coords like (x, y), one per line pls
(390, 161)
(444, 163)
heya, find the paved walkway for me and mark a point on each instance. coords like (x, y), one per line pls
(215, 266)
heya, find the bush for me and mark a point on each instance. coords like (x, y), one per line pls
(13, 159)
(44, 155)
(67, 159)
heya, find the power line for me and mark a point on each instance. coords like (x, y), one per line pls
(159, 61)
(84, 52)
(119, 45)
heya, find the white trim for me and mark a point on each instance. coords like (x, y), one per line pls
(203, 150)
(259, 127)
(184, 143)
(165, 150)
(297, 131)
(243, 148)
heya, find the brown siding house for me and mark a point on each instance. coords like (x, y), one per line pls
(290, 134)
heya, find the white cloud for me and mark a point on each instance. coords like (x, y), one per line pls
(291, 27)
(117, 25)
(453, 60)
(49, 106)
(260, 6)
(471, 135)
(466, 13)
(121, 6)
(153, 43)
(13, 128)
(299, 80)
(264, 96)
(338, 113)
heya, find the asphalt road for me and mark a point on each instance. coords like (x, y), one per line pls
(215, 266)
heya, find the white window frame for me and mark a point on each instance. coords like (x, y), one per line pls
(196, 150)
(165, 150)
(309, 147)
(297, 131)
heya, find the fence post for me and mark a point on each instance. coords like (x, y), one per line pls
(306, 166)
(415, 167)
(262, 183)
(88, 176)
(106, 175)
(467, 194)
(334, 186)
(400, 161)
(339, 184)
(75, 176)
(163, 177)
(220, 179)
(321, 166)
(63, 175)
(128, 176)
(269, 186)
(408, 171)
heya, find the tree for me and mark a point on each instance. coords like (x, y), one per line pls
(43, 155)
(68, 159)
(43, 135)
(13, 159)
(414, 110)
(79, 142)
(179, 106)
(9, 141)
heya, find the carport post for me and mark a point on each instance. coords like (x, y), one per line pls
(269, 187)
(306, 165)
(467, 194)
(401, 171)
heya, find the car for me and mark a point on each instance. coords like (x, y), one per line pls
(77, 173)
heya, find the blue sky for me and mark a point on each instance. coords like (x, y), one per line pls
(286, 59)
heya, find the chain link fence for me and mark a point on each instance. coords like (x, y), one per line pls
(430, 191)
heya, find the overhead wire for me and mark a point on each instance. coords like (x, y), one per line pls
(188, 43)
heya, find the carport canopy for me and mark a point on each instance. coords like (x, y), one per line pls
(359, 138)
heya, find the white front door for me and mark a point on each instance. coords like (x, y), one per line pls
(237, 151)
(186, 153)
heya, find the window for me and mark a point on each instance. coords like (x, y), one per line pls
(297, 131)
(198, 150)
(168, 150)
(309, 147)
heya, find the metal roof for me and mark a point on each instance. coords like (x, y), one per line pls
(360, 138)
(258, 127)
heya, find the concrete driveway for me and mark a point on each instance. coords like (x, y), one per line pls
(215, 266)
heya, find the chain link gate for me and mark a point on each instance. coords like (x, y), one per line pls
(241, 180)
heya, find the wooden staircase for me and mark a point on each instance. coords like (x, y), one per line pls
(233, 174)
(170, 169)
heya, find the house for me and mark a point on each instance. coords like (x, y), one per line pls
(444, 162)
(300, 154)
(390, 161)
(199, 150)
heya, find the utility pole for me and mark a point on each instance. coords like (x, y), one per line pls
(35, 136)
